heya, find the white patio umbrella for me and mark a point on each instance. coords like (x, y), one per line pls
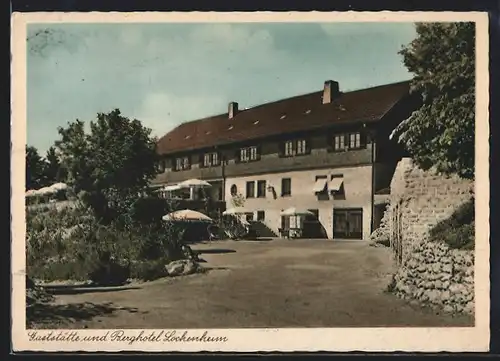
(187, 215)
(171, 188)
(45, 190)
(236, 210)
(194, 183)
(58, 186)
(296, 212)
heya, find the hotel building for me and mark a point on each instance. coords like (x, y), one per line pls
(328, 152)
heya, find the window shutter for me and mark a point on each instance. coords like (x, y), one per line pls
(330, 141)
(281, 150)
(364, 139)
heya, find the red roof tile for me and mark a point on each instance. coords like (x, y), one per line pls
(300, 113)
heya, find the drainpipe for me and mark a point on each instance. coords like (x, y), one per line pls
(223, 171)
(373, 180)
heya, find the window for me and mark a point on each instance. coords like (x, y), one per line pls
(244, 157)
(182, 163)
(249, 154)
(253, 153)
(295, 147)
(320, 185)
(261, 189)
(210, 159)
(286, 187)
(249, 217)
(162, 166)
(261, 216)
(234, 190)
(301, 146)
(251, 189)
(347, 141)
(354, 140)
(339, 142)
(336, 183)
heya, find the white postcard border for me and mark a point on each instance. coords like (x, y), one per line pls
(248, 340)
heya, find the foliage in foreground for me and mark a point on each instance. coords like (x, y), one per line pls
(441, 132)
(458, 230)
(70, 243)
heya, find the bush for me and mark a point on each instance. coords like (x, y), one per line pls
(110, 272)
(71, 243)
(149, 209)
(458, 230)
(384, 242)
(149, 270)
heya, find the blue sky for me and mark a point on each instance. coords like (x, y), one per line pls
(165, 74)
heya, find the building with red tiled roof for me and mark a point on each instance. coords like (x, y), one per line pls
(328, 152)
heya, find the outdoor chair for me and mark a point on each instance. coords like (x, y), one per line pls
(284, 232)
(213, 233)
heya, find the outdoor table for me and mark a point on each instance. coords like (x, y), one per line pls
(295, 232)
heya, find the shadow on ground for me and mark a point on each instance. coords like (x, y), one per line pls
(48, 314)
(215, 251)
(73, 290)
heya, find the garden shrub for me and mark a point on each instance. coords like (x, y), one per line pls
(149, 209)
(149, 270)
(71, 243)
(458, 230)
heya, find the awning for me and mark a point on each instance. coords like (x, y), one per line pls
(171, 188)
(320, 185)
(335, 184)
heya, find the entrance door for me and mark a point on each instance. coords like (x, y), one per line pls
(348, 223)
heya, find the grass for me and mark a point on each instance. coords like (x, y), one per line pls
(458, 230)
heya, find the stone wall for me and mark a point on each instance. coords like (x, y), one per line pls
(428, 271)
(438, 276)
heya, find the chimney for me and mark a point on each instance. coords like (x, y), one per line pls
(232, 110)
(330, 91)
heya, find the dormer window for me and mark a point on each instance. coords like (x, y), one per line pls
(249, 154)
(295, 147)
(182, 163)
(211, 159)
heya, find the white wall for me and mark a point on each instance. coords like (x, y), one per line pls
(357, 190)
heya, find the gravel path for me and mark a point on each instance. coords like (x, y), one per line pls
(303, 283)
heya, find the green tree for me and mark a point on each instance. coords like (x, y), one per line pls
(54, 172)
(35, 168)
(441, 132)
(110, 166)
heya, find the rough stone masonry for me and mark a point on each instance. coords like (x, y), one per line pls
(429, 272)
